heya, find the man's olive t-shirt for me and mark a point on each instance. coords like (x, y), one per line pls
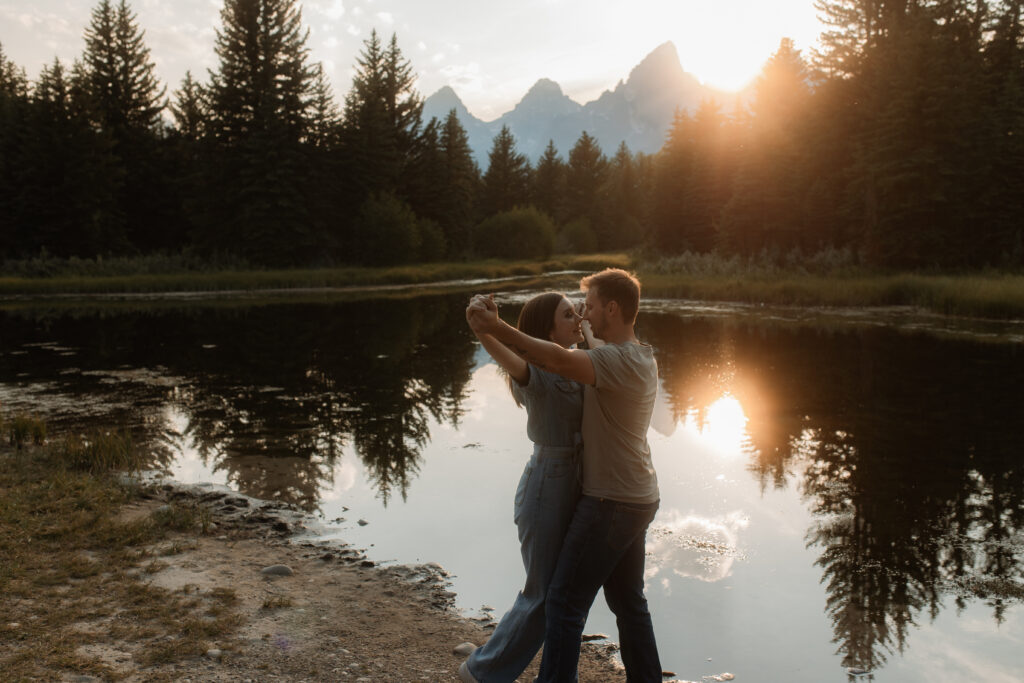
(617, 412)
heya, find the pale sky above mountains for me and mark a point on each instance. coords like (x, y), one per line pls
(489, 51)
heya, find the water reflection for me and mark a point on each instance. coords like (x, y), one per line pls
(906, 450)
(270, 396)
(903, 449)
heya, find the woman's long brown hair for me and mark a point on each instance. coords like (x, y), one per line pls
(537, 319)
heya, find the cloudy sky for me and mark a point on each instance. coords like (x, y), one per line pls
(489, 51)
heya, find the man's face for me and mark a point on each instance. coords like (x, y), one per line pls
(594, 312)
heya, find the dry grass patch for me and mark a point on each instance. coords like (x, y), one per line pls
(74, 587)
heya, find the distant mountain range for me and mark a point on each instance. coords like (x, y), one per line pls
(638, 111)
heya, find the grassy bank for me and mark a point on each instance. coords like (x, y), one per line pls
(129, 276)
(981, 296)
(830, 278)
(73, 575)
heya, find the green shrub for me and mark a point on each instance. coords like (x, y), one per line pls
(577, 237)
(386, 232)
(433, 245)
(100, 451)
(519, 233)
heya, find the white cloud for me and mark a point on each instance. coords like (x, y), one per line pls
(692, 546)
(336, 10)
(354, 30)
(386, 17)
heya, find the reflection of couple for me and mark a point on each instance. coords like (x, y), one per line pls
(573, 544)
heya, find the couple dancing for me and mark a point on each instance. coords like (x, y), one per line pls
(575, 542)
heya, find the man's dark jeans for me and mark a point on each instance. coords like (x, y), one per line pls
(604, 547)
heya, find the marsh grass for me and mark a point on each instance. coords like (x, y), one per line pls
(23, 430)
(831, 279)
(101, 451)
(73, 574)
(142, 279)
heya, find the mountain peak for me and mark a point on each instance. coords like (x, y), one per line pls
(661, 64)
(546, 98)
(545, 88)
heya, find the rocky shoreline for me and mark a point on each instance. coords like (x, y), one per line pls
(309, 609)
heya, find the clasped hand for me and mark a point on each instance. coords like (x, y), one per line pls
(481, 312)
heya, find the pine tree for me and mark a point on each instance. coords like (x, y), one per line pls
(13, 82)
(119, 74)
(626, 204)
(506, 184)
(263, 83)
(262, 99)
(766, 207)
(382, 120)
(460, 183)
(585, 177)
(189, 109)
(13, 112)
(1004, 64)
(548, 183)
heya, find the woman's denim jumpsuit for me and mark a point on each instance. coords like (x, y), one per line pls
(545, 500)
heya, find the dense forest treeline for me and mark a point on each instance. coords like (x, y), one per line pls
(899, 143)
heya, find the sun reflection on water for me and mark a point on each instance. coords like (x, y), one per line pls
(723, 425)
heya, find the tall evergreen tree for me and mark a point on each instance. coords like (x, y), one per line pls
(189, 109)
(382, 120)
(506, 183)
(1004, 65)
(460, 185)
(585, 177)
(548, 183)
(13, 111)
(263, 83)
(766, 205)
(625, 199)
(261, 97)
(119, 74)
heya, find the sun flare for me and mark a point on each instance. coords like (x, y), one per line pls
(725, 425)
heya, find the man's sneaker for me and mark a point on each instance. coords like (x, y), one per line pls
(464, 674)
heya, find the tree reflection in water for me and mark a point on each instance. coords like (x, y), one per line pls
(905, 447)
(269, 395)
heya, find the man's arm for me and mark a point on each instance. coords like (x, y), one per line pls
(570, 363)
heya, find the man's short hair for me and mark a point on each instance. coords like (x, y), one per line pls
(615, 284)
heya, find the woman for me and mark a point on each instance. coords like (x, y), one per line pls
(548, 489)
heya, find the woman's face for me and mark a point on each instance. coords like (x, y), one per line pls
(566, 330)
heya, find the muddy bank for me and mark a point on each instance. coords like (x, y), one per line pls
(325, 612)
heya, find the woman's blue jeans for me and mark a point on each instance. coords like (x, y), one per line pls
(544, 504)
(604, 547)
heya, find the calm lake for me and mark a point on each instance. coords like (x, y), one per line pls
(840, 491)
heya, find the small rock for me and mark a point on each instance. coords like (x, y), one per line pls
(362, 522)
(214, 654)
(464, 649)
(856, 671)
(277, 570)
(327, 557)
(593, 636)
(14, 626)
(82, 678)
(366, 563)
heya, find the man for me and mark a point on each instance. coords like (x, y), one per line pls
(604, 546)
